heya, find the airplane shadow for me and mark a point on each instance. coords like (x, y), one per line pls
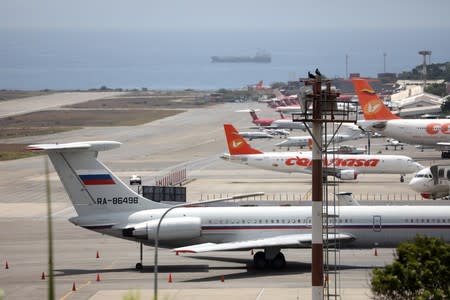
(146, 269)
(249, 271)
(244, 269)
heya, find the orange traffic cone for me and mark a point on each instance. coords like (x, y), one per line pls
(169, 280)
(97, 256)
(98, 277)
(43, 276)
(73, 287)
(6, 265)
(375, 253)
(222, 278)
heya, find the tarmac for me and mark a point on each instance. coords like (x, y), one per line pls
(193, 140)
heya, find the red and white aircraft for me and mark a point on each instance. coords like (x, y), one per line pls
(378, 118)
(344, 166)
(282, 123)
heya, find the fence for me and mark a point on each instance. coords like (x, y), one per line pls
(294, 197)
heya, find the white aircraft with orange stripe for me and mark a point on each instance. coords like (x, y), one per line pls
(343, 166)
(378, 118)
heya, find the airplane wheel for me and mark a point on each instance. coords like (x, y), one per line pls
(139, 266)
(402, 179)
(279, 262)
(259, 260)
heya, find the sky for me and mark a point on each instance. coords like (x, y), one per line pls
(230, 15)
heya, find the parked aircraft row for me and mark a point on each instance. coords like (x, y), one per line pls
(347, 132)
(106, 205)
(283, 123)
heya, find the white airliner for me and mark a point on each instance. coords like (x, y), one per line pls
(432, 182)
(347, 132)
(343, 166)
(256, 135)
(393, 143)
(106, 205)
(378, 118)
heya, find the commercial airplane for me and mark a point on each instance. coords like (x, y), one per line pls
(106, 205)
(432, 182)
(282, 123)
(250, 135)
(347, 132)
(378, 118)
(345, 167)
(393, 143)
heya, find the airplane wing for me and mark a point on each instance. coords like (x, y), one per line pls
(291, 240)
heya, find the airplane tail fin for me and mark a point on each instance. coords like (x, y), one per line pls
(259, 85)
(278, 94)
(236, 143)
(91, 186)
(253, 114)
(351, 130)
(371, 105)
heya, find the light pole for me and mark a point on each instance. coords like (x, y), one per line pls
(155, 267)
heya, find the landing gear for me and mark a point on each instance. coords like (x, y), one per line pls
(259, 260)
(270, 257)
(139, 265)
(279, 262)
(402, 178)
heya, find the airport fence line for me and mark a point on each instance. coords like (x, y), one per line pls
(287, 197)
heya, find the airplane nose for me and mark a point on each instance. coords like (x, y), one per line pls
(417, 184)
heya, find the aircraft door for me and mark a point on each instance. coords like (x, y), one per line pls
(377, 223)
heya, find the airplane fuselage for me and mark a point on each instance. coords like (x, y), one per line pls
(302, 162)
(413, 131)
(383, 226)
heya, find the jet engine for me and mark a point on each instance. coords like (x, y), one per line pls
(347, 175)
(181, 228)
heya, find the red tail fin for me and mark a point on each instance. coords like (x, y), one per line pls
(253, 114)
(259, 85)
(371, 105)
(236, 143)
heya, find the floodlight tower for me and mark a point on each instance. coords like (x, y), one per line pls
(319, 101)
(424, 53)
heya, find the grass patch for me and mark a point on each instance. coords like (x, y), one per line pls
(14, 151)
(53, 121)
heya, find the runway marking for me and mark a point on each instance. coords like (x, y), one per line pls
(71, 292)
(260, 294)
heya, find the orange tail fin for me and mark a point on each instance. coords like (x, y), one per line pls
(371, 105)
(236, 143)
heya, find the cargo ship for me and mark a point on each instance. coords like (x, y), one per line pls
(260, 57)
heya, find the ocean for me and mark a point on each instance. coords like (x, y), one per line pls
(71, 60)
